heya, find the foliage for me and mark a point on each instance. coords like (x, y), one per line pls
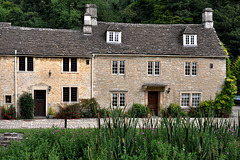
(8, 113)
(173, 110)
(50, 111)
(138, 110)
(69, 111)
(69, 14)
(120, 138)
(89, 107)
(26, 105)
(236, 73)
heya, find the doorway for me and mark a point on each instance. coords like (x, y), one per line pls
(40, 102)
(153, 102)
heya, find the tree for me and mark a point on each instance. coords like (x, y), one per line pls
(236, 72)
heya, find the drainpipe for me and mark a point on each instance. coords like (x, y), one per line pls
(15, 81)
(92, 73)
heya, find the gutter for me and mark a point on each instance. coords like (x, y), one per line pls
(15, 81)
(146, 55)
(93, 56)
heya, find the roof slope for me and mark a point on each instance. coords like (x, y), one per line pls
(146, 39)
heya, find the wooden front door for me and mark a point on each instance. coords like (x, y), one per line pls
(40, 102)
(153, 102)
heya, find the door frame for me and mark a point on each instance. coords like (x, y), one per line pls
(45, 88)
(160, 91)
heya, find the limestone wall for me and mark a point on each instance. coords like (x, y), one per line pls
(208, 82)
(39, 79)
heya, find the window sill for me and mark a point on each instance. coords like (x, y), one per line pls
(69, 72)
(69, 102)
(25, 71)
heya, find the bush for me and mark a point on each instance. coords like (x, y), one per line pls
(70, 111)
(89, 107)
(139, 111)
(8, 113)
(195, 112)
(26, 105)
(50, 111)
(173, 109)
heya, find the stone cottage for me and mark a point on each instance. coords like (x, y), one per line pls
(117, 63)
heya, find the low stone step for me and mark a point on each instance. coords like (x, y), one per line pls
(11, 134)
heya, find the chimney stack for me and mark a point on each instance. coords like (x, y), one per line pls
(207, 18)
(90, 18)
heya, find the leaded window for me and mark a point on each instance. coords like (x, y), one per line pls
(196, 97)
(185, 99)
(187, 68)
(150, 68)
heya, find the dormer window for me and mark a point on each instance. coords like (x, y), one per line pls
(189, 40)
(113, 37)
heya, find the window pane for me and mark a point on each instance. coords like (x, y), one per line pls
(187, 68)
(157, 68)
(74, 64)
(196, 99)
(185, 100)
(21, 63)
(150, 68)
(122, 67)
(30, 63)
(66, 64)
(65, 94)
(194, 69)
(8, 99)
(111, 36)
(116, 36)
(187, 39)
(114, 99)
(74, 94)
(192, 40)
(114, 67)
(122, 100)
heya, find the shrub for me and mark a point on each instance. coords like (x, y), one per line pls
(89, 107)
(173, 109)
(26, 105)
(139, 111)
(50, 111)
(195, 112)
(8, 113)
(69, 111)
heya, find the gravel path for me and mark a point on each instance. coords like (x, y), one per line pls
(73, 123)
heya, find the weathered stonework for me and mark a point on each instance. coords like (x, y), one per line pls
(208, 81)
(39, 79)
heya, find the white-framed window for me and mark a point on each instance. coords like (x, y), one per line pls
(150, 68)
(187, 69)
(69, 64)
(196, 97)
(115, 67)
(157, 68)
(118, 67)
(118, 100)
(185, 99)
(191, 68)
(189, 40)
(8, 99)
(69, 94)
(153, 68)
(114, 37)
(194, 69)
(25, 63)
(190, 99)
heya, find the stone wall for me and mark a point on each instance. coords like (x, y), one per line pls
(27, 81)
(208, 82)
